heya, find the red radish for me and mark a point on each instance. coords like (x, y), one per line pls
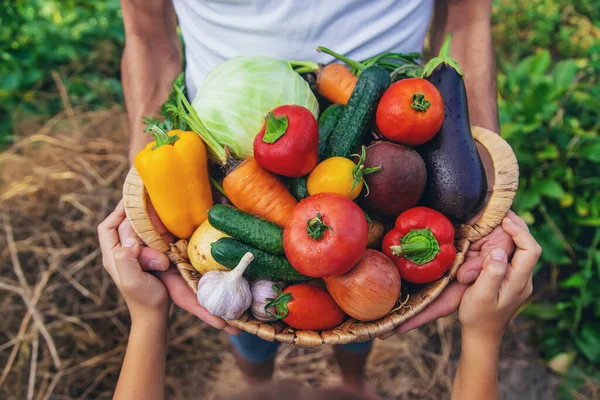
(288, 143)
(368, 291)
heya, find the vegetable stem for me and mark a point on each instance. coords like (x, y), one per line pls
(276, 128)
(419, 103)
(239, 270)
(351, 63)
(217, 185)
(316, 227)
(303, 66)
(186, 112)
(161, 137)
(418, 245)
(280, 303)
(360, 171)
(442, 58)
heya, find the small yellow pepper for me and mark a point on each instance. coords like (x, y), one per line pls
(174, 169)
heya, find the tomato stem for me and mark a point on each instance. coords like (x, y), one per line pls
(419, 102)
(316, 227)
(280, 302)
(419, 246)
(360, 171)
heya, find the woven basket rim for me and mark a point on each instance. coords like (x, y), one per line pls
(506, 176)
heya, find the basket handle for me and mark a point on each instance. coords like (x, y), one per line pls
(136, 209)
(504, 188)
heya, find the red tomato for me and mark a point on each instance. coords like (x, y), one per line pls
(410, 112)
(311, 308)
(326, 235)
(289, 151)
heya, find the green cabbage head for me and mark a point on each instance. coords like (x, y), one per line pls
(235, 97)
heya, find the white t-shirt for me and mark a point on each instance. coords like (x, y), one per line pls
(217, 30)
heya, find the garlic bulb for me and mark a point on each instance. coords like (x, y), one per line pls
(226, 294)
(262, 290)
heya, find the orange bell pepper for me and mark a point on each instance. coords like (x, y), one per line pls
(174, 169)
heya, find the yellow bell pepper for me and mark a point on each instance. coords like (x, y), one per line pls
(174, 169)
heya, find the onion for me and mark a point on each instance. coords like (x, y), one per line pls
(369, 290)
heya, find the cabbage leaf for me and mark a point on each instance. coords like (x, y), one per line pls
(234, 98)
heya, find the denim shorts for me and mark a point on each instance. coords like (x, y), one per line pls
(257, 350)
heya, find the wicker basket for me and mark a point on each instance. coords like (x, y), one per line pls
(506, 176)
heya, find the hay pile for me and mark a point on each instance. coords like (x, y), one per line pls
(65, 327)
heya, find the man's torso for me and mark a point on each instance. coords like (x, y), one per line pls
(217, 30)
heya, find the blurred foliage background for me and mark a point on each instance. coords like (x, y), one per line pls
(548, 54)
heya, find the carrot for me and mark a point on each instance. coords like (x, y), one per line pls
(256, 191)
(336, 83)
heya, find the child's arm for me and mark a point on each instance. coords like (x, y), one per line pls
(143, 372)
(488, 306)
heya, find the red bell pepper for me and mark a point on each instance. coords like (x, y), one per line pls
(288, 143)
(421, 245)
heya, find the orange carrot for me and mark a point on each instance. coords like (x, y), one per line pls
(256, 191)
(336, 83)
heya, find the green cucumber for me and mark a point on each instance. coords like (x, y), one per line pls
(355, 121)
(298, 187)
(228, 252)
(247, 228)
(327, 122)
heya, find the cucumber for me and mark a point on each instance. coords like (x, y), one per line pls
(327, 122)
(298, 187)
(247, 228)
(355, 121)
(228, 252)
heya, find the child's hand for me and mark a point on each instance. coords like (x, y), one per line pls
(146, 296)
(490, 303)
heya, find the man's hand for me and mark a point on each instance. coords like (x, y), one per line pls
(450, 298)
(177, 288)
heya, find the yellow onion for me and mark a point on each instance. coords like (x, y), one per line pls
(369, 290)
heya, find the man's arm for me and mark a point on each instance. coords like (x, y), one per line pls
(152, 59)
(469, 21)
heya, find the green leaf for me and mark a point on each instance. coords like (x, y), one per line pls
(588, 341)
(589, 221)
(550, 152)
(543, 311)
(591, 152)
(548, 188)
(526, 200)
(574, 281)
(564, 74)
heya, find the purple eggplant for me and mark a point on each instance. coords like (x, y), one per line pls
(456, 181)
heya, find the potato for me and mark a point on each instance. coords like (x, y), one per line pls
(199, 248)
(399, 184)
(376, 232)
